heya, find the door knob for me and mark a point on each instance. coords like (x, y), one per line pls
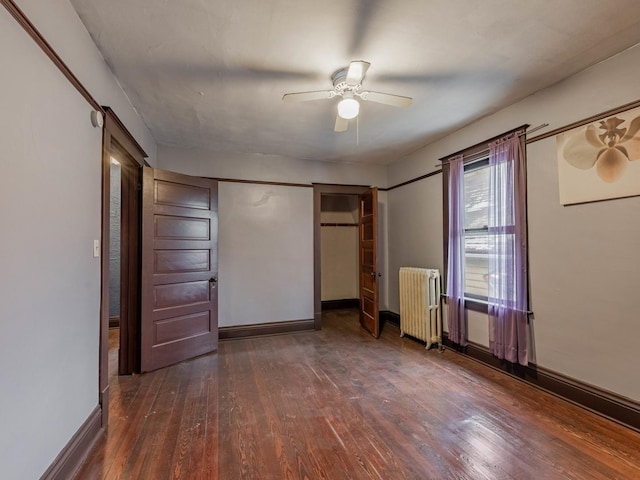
(213, 280)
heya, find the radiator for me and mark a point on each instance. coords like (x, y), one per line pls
(420, 314)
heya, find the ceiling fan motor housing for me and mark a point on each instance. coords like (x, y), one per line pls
(339, 79)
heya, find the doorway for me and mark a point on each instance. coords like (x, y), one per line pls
(124, 261)
(122, 161)
(115, 224)
(339, 252)
(367, 281)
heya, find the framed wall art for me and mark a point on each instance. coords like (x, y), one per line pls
(600, 160)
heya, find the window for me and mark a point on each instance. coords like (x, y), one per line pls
(476, 230)
(486, 242)
(479, 240)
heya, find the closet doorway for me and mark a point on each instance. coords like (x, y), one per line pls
(366, 256)
(339, 251)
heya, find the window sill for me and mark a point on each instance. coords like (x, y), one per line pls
(476, 305)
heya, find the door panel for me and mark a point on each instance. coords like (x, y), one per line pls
(179, 268)
(368, 260)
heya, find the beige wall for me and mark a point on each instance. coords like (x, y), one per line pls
(339, 248)
(584, 259)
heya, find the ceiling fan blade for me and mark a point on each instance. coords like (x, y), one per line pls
(309, 96)
(341, 124)
(386, 98)
(357, 71)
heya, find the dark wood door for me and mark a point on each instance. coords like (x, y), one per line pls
(179, 268)
(368, 261)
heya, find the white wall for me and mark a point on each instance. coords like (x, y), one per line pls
(50, 283)
(415, 230)
(265, 253)
(60, 25)
(50, 207)
(585, 263)
(271, 168)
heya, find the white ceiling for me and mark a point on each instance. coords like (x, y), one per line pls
(211, 73)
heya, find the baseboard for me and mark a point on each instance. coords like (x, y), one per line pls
(114, 322)
(73, 454)
(608, 404)
(337, 304)
(259, 330)
(389, 317)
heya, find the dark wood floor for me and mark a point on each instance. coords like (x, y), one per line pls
(338, 404)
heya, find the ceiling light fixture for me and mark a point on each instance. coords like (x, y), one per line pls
(348, 108)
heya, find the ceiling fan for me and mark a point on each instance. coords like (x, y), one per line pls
(347, 83)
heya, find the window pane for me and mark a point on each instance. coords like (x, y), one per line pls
(476, 198)
(501, 281)
(476, 266)
(476, 208)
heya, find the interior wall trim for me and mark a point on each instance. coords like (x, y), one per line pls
(348, 185)
(73, 454)
(262, 329)
(607, 404)
(339, 224)
(584, 121)
(551, 133)
(604, 403)
(342, 303)
(290, 184)
(123, 136)
(417, 179)
(389, 317)
(48, 50)
(261, 182)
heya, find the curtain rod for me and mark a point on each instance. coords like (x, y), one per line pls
(481, 154)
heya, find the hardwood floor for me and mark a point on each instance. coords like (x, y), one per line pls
(338, 404)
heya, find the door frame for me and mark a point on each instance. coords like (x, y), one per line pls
(320, 189)
(130, 241)
(117, 138)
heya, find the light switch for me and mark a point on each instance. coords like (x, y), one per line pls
(96, 248)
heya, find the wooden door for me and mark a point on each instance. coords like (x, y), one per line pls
(179, 268)
(368, 260)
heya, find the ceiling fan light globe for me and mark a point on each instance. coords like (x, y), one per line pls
(348, 108)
